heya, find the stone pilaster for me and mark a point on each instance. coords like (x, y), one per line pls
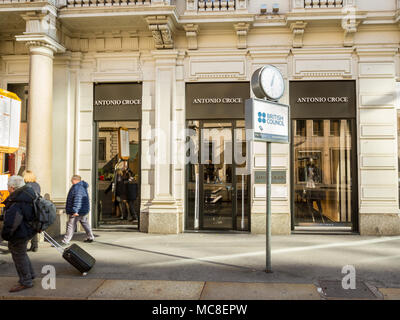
(378, 165)
(164, 213)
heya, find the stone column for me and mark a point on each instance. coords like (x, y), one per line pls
(40, 117)
(41, 38)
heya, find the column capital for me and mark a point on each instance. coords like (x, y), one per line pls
(41, 41)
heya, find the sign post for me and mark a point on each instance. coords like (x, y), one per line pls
(268, 121)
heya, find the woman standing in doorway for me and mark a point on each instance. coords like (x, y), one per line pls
(30, 180)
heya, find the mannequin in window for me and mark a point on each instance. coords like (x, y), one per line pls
(313, 193)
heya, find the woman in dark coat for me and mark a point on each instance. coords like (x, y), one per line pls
(119, 192)
(30, 181)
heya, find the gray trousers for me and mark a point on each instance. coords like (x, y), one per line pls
(35, 240)
(72, 224)
(21, 261)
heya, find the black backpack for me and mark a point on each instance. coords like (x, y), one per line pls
(44, 212)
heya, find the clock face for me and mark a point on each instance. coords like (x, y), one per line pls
(272, 82)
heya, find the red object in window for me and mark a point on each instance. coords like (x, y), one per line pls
(11, 163)
(101, 178)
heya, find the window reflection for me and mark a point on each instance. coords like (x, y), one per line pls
(322, 172)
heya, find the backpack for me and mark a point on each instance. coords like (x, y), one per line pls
(44, 212)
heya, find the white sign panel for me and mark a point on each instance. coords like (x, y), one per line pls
(3, 182)
(124, 143)
(268, 120)
(10, 117)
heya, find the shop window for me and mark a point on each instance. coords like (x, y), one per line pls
(301, 128)
(102, 149)
(318, 128)
(335, 128)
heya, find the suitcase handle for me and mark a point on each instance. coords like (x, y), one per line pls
(53, 242)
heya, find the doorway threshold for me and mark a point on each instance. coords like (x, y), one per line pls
(217, 231)
(331, 230)
(116, 227)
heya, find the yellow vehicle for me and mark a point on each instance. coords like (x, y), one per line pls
(10, 118)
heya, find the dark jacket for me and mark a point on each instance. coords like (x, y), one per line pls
(120, 190)
(18, 214)
(78, 199)
(131, 191)
(35, 186)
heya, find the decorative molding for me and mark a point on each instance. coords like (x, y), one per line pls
(161, 30)
(217, 67)
(297, 29)
(41, 40)
(192, 30)
(241, 31)
(349, 25)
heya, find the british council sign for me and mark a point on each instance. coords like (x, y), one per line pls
(268, 120)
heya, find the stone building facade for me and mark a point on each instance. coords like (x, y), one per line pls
(63, 49)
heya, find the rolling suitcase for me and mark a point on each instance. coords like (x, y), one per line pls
(74, 254)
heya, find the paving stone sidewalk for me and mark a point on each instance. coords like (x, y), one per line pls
(100, 289)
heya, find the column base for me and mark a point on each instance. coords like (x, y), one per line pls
(383, 224)
(59, 227)
(280, 223)
(161, 219)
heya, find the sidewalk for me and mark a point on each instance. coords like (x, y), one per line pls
(209, 266)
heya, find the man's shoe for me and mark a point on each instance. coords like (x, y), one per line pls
(88, 240)
(63, 243)
(19, 287)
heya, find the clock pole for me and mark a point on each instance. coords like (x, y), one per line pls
(268, 212)
(268, 85)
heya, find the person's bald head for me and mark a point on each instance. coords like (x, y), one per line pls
(76, 179)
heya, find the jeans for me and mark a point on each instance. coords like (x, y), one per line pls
(21, 261)
(72, 224)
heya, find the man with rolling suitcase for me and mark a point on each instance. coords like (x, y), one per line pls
(77, 208)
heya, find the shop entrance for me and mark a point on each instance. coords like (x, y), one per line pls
(217, 176)
(117, 181)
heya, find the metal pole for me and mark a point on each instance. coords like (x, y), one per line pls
(268, 205)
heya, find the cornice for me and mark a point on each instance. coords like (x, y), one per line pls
(374, 51)
(324, 51)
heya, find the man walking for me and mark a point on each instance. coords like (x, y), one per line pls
(77, 208)
(17, 231)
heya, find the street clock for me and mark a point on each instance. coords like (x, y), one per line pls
(267, 82)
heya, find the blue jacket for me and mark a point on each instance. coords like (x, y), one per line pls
(78, 199)
(18, 214)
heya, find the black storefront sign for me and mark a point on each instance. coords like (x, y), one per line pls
(210, 100)
(117, 101)
(322, 99)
